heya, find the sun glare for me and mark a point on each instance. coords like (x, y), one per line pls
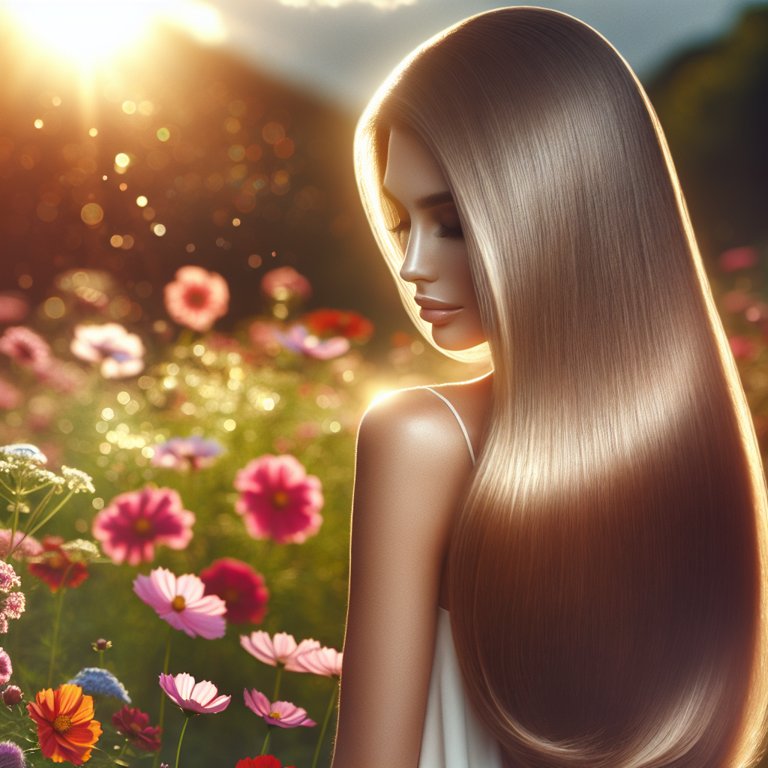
(88, 32)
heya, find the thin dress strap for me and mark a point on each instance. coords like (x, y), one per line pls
(458, 418)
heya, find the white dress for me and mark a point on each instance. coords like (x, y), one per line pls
(453, 737)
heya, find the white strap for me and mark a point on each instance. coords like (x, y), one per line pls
(458, 418)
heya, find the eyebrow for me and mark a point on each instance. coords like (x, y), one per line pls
(428, 201)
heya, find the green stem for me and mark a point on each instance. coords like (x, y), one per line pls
(55, 637)
(278, 678)
(14, 527)
(38, 510)
(328, 713)
(266, 741)
(161, 717)
(181, 737)
(37, 527)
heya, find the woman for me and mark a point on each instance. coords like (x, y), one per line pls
(597, 575)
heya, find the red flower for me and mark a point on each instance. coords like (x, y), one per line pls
(337, 322)
(134, 725)
(240, 587)
(263, 761)
(55, 567)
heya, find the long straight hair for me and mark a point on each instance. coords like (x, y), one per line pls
(606, 571)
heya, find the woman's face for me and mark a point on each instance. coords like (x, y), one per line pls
(430, 235)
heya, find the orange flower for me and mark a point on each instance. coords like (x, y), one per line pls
(66, 729)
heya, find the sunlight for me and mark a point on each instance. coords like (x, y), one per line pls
(88, 32)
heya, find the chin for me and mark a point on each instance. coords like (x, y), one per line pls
(449, 339)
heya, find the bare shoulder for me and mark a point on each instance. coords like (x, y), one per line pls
(414, 428)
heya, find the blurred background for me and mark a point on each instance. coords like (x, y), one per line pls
(137, 138)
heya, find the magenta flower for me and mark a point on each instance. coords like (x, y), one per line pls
(285, 284)
(25, 347)
(196, 298)
(181, 602)
(280, 649)
(240, 587)
(283, 714)
(118, 352)
(134, 523)
(195, 698)
(319, 661)
(299, 339)
(279, 500)
(185, 453)
(6, 668)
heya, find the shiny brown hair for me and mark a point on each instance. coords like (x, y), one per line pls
(606, 571)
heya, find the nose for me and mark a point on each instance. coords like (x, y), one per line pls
(417, 264)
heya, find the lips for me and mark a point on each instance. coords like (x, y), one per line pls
(435, 311)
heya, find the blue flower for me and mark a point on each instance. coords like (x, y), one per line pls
(11, 755)
(95, 680)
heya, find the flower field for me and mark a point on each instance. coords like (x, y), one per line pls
(174, 530)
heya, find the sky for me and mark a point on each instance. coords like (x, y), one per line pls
(345, 48)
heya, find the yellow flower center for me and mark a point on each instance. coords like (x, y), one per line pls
(275, 715)
(280, 499)
(178, 603)
(62, 724)
(142, 525)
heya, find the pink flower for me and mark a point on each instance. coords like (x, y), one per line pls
(283, 714)
(9, 579)
(12, 604)
(197, 298)
(119, 353)
(240, 587)
(280, 649)
(735, 259)
(23, 546)
(279, 500)
(319, 661)
(285, 284)
(198, 698)
(25, 347)
(6, 668)
(136, 522)
(10, 396)
(181, 602)
(742, 347)
(264, 337)
(13, 308)
(183, 453)
(299, 339)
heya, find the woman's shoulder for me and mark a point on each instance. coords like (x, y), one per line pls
(415, 420)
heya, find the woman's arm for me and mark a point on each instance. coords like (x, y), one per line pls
(411, 469)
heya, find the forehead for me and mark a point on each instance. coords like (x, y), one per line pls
(411, 172)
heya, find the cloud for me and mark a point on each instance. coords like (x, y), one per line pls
(387, 5)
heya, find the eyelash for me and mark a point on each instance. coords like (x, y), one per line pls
(442, 230)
